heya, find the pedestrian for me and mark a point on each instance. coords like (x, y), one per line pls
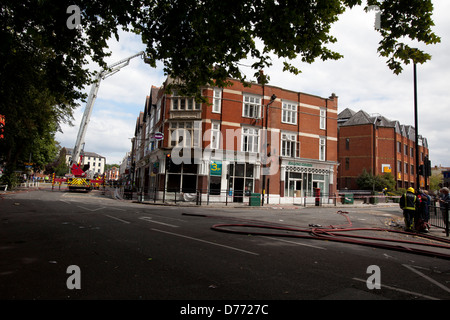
(444, 202)
(422, 211)
(408, 204)
(385, 191)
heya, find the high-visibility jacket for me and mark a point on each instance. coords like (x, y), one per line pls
(408, 201)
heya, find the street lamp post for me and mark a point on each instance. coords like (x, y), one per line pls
(416, 128)
(272, 99)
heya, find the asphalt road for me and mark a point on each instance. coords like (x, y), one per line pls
(132, 251)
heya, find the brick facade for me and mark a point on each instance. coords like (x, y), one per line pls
(379, 146)
(298, 154)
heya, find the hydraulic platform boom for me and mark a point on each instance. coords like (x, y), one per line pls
(109, 71)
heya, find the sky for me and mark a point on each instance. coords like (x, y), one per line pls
(361, 80)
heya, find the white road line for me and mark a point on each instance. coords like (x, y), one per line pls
(118, 219)
(400, 290)
(114, 208)
(296, 243)
(148, 219)
(208, 242)
(440, 285)
(91, 209)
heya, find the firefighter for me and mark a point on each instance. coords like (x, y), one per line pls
(408, 202)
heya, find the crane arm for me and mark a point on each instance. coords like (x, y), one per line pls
(109, 71)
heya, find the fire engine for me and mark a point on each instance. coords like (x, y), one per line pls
(79, 177)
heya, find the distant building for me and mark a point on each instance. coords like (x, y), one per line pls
(112, 174)
(95, 161)
(379, 145)
(445, 171)
(125, 166)
(446, 178)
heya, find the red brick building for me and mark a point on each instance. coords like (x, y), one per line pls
(221, 148)
(378, 145)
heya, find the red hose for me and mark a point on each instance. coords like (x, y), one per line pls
(339, 234)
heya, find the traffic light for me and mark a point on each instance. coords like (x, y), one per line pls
(421, 170)
(168, 161)
(427, 167)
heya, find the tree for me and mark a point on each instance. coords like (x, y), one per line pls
(59, 165)
(436, 180)
(43, 60)
(367, 181)
(203, 41)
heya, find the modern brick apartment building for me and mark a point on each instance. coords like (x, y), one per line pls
(378, 145)
(221, 148)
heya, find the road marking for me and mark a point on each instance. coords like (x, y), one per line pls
(400, 290)
(148, 219)
(118, 219)
(426, 277)
(114, 208)
(91, 209)
(299, 244)
(208, 242)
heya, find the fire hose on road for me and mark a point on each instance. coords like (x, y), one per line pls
(345, 234)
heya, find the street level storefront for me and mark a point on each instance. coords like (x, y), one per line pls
(237, 178)
(302, 181)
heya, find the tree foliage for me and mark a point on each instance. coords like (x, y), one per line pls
(43, 63)
(367, 181)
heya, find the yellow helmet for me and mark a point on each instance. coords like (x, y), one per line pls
(410, 190)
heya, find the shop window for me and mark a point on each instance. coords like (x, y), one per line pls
(215, 184)
(241, 180)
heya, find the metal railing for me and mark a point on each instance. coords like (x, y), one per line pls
(439, 217)
(227, 197)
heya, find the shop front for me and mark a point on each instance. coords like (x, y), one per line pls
(303, 180)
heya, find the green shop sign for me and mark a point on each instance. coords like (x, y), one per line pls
(300, 164)
(215, 168)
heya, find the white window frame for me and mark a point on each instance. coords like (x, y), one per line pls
(323, 118)
(217, 100)
(190, 131)
(251, 107)
(289, 145)
(250, 139)
(180, 103)
(215, 135)
(158, 112)
(322, 149)
(289, 112)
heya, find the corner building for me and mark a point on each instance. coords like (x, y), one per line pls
(259, 139)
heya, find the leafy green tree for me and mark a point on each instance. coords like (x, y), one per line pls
(59, 165)
(435, 180)
(367, 181)
(386, 180)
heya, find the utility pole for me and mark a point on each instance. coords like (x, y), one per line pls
(416, 125)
